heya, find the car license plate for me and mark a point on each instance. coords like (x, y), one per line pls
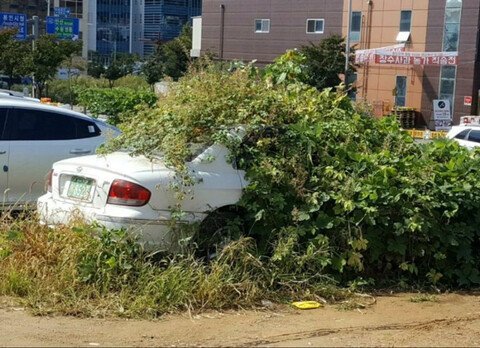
(80, 188)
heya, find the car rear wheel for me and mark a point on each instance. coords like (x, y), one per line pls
(216, 232)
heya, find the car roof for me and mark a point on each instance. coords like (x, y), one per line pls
(12, 93)
(21, 103)
(6, 94)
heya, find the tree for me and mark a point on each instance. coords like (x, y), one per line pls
(13, 56)
(152, 69)
(122, 65)
(95, 69)
(325, 61)
(175, 59)
(47, 57)
(170, 59)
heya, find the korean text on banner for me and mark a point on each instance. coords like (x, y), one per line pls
(368, 56)
(416, 58)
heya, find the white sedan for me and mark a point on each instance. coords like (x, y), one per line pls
(120, 191)
(32, 137)
(467, 133)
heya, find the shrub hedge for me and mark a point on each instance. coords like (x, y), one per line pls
(351, 195)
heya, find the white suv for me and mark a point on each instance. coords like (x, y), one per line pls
(467, 133)
(32, 137)
(7, 94)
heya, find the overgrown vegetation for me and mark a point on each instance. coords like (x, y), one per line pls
(325, 62)
(335, 197)
(67, 91)
(114, 103)
(87, 271)
(353, 195)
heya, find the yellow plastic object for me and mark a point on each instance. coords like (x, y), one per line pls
(306, 304)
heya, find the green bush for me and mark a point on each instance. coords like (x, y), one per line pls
(84, 81)
(132, 81)
(66, 92)
(116, 102)
(61, 91)
(353, 191)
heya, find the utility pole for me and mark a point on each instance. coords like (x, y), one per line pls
(48, 8)
(347, 44)
(35, 34)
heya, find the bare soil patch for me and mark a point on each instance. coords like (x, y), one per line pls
(443, 320)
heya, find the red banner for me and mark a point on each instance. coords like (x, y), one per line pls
(416, 58)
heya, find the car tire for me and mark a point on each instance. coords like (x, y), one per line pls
(217, 230)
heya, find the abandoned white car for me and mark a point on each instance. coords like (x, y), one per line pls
(120, 191)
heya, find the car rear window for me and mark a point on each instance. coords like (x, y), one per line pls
(86, 128)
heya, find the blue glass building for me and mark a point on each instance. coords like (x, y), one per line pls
(164, 19)
(136, 26)
(113, 27)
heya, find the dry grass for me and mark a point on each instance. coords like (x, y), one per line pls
(87, 271)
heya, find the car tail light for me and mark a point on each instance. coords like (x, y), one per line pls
(48, 181)
(124, 192)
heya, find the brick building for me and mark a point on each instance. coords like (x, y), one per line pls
(426, 26)
(262, 30)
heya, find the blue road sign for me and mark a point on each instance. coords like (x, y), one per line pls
(14, 20)
(63, 28)
(61, 11)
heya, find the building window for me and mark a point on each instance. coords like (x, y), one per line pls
(262, 25)
(453, 13)
(405, 21)
(450, 37)
(454, 3)
(452, 28)
(447, 83)
(401, 91)
(355, 26)
(405, 26)
(315, 26)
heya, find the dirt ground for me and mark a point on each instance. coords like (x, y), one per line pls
(450, 320)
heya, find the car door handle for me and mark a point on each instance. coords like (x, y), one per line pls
(3, 152)
(79, 151)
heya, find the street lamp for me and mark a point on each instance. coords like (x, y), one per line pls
(347, 44)
(48, 8)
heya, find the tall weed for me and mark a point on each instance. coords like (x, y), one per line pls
(89, 271)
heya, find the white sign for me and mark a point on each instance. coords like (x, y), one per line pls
(441, 114)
